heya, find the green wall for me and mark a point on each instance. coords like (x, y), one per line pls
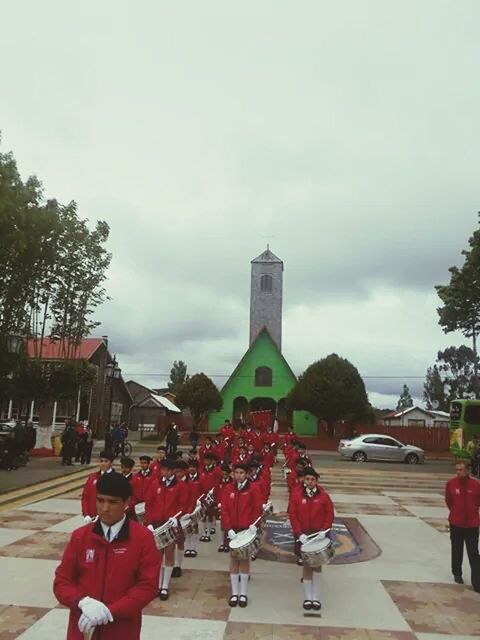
(263, 352)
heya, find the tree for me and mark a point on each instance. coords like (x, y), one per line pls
(461, 297)
(331, 389)
(405, 401)
(178, 375)
(200, 395)
(434, 390)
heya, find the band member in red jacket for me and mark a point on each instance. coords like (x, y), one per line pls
(271, 438)
(462, 495)
(191, 540)
(227, 431)
(89, 493)
(268, 455)
(241, 506)
(109, 570)
(205, 447)
(224, 483)
(165, 501)
(142, 479)
(209, 478)
(157, 463)
(310, 511)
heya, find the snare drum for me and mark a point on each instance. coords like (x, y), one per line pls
(187, 523)
(245, 545)
(165, 535)
(317, 552)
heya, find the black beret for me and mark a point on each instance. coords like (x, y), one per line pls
(310, 471)
(145, 458)
(241, 465)
(108, 455)
(114, 484)
(127, 462)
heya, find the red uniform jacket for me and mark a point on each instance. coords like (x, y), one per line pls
(309, 515)
(210, 479)
(89, 494)
(271, 438)
(463, 500)
(202, 450)
(219, 489)
(268, 458)
(142, 481)
(261, 483)
(227, 431)
(155, 468)
(240, 508)
(248, 436)
(236, 457)
(123, 574)
(163, 502)
(194, 482)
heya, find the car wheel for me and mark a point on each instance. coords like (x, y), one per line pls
(359, 456)
(412, 458)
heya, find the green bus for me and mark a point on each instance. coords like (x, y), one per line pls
(464, 424)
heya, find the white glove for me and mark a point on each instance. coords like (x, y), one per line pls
(231, 534)
(85, 624)
(95, 610)
(87, 519)
(252, 528)
(322, 534)
(173, 522)
(264, 506)
(151, 528)
(199, 504)
(303, 538)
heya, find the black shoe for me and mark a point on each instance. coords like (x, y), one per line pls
(186, 553)
(300, 562)
(242, 601)
(212, 531)
(458, 579)
(163, 594)
(203, 538)
(226, 549)
(221, 549)
(207, 539)
(233, 601)
(193, 554)
(307, 605)
(253, 558)
(177, 572)
(316, 605)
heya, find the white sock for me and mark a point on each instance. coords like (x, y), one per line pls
(307, 588)
(234, 583)
(160, 578)
(205, 528)
(178, 557)
(316, 585)
(188, 542)
(194, 541)
(243, 583)
(167, 574)
(219, 537)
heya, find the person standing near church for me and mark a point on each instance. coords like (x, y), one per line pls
(462, 496)
(109, 570)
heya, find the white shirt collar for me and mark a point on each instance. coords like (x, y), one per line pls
(114, 528)
(240, 485)
(108, 471)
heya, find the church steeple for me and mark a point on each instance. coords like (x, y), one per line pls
(266, 296)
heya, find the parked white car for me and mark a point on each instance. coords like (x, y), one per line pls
(374, 446)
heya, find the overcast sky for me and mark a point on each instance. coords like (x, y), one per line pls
(345, 134)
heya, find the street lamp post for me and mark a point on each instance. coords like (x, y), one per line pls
(113, 373)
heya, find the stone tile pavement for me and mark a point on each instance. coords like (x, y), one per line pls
(390, 579)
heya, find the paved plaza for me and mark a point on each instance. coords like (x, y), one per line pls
(390, 579)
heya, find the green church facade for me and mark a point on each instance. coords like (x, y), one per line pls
(261, 381)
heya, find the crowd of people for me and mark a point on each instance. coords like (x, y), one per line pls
(233, 470)
(112, 568)
(77, 443)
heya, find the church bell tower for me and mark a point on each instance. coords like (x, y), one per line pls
(266, 296)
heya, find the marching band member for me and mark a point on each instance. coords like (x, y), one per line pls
(142, 478)
(164, 499)
(126, 466)
(156, 464)
(109, 570)
(209, 479)
(302, 454)
(206, 447)
(225, 481)
(261, 481)
(181, 472)
(271, 438)
(310, 511)
(241, 506)
(195, 492)
(248, 435)
(268, 455)
(240, 454)
(89, 493)
(227, 431)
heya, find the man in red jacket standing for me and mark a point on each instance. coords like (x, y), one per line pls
(462, 495)
(89, 493)
(310, 511)
(109, 570)
(241, 505)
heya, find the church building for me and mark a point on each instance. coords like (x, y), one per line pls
(262, 379)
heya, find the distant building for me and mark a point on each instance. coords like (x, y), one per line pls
(416, 417)
(262, 379)
(151, 411)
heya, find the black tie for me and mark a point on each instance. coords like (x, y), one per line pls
(109, 533)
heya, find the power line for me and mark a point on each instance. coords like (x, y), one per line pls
(223, 375)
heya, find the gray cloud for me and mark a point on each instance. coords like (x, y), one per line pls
(345, 134)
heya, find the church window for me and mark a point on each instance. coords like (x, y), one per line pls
(266, 283)
(263, 377)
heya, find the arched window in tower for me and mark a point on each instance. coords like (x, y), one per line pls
(266, 283)
(263, 377)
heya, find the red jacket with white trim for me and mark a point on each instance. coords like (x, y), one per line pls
(309, 515)
(240, 507)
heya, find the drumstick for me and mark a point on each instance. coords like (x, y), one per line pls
(314, 535)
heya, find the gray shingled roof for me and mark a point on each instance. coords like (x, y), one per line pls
(268, 256)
